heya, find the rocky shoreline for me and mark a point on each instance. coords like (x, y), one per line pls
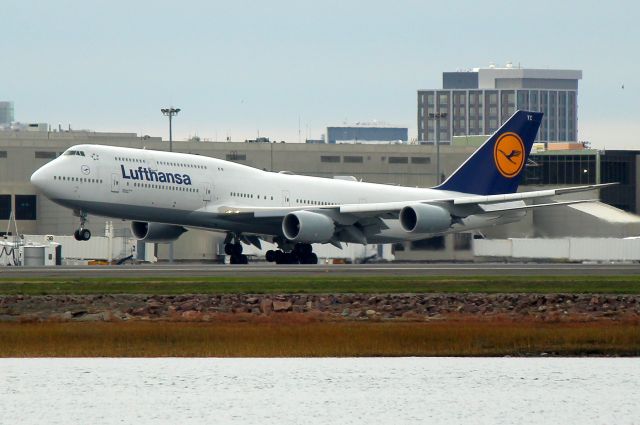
(356, 307)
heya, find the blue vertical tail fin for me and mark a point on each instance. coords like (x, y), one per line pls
(497, 166)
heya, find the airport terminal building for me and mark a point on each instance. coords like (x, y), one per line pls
(22, 152)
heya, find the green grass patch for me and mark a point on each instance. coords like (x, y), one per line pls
(324, 284)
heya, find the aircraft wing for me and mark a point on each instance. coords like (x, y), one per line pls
(471, 204)
(461, 206)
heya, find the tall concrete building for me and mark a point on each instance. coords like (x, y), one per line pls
(480, 100)
(6, 113)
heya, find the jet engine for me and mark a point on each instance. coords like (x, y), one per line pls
(308, 227)
(156, 232)
(424, 218)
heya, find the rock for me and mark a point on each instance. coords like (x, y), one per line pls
(370, 313)
(94, 317)
(281, 305)
(266, 306)
(191, 315)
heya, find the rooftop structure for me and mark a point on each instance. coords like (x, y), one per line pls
(6, 113)
(367, 133)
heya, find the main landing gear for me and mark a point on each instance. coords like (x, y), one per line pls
(234, 250)
(302, 253)
(82, 234)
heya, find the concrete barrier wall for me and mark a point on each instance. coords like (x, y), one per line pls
(569, 249)
(601, 249)
(492, 247)
(540, 248)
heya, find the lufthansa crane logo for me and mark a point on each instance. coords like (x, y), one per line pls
(508, 154)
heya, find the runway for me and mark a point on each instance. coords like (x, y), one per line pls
(267, 269)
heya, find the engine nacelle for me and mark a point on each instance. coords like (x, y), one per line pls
(424, 218)
(156, 232)
(308, 227)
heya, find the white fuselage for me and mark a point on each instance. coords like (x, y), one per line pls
(194, 191)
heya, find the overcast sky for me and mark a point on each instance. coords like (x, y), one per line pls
(240, 68)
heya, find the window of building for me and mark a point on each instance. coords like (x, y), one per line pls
(45, 155)
(3, 154)
(398, 160)
(329, 158)
(420, 160)
(234, 156)
(25, 207)
(5, 207)
(462, 241)
(560, 169)
(432, 244)
(352, 159)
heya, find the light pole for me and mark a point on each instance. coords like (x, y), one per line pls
(438, 116)
(170, 112)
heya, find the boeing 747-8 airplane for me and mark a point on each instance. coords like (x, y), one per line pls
(163, 193)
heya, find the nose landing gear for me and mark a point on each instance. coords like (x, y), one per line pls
(82, 234)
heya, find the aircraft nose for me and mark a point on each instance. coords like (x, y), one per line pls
(37, 178)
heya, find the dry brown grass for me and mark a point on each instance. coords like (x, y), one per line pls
(316, 339)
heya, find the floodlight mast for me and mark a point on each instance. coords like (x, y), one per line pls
(170, 112)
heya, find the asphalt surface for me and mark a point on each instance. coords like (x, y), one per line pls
(267, 269)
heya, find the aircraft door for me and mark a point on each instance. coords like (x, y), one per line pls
(286, 201)
(206, 192)
(115, 183)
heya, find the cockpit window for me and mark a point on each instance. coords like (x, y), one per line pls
(72, 152)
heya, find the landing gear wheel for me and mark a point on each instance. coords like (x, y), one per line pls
(279, 257)
(303, 249)
(239, 259)
(291, 258)
(76, 235)
(309, 259)
(233, 249)
(270, 256)
(85, 234)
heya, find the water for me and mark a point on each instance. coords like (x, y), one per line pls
(320, 391)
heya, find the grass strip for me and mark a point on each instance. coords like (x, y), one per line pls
(324, 284)
(317, 339)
